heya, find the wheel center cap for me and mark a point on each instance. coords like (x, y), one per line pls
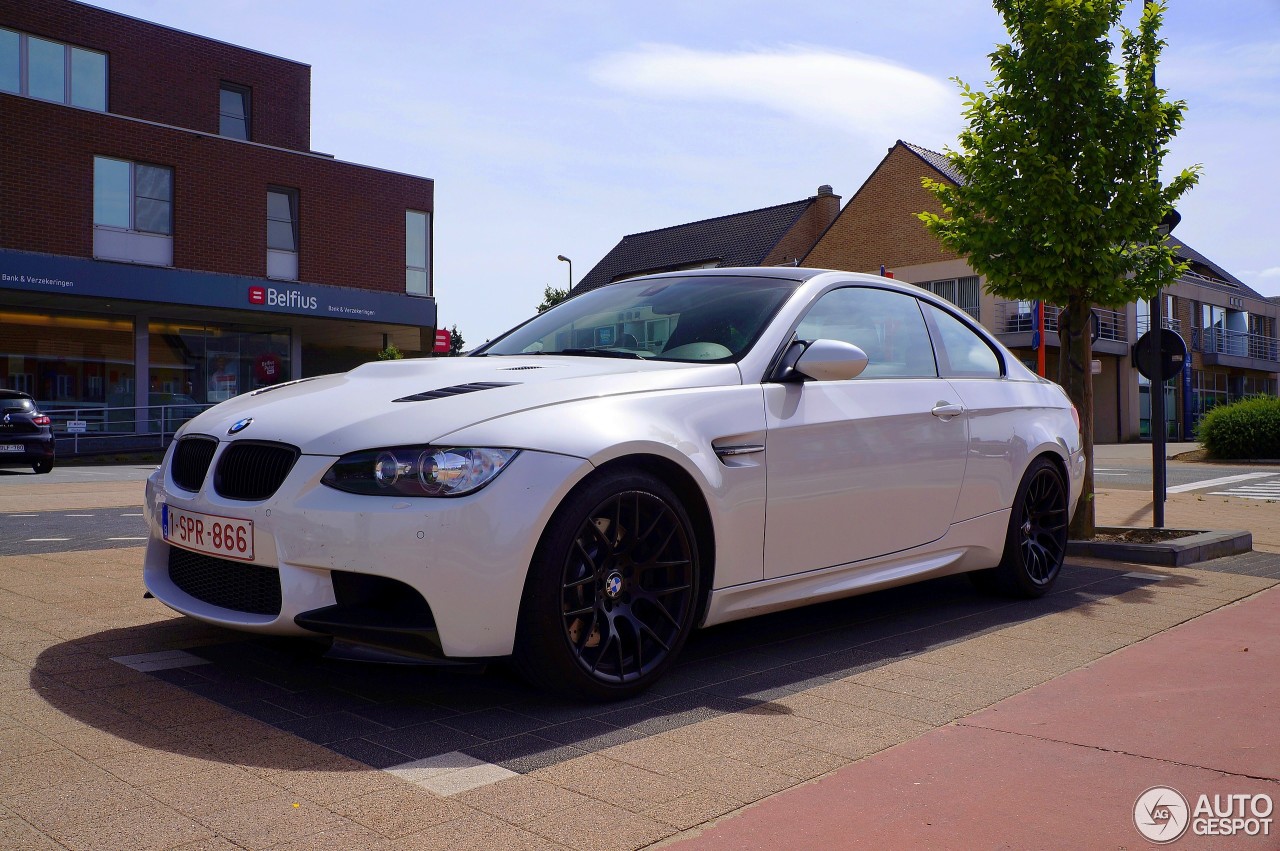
(613, 585)
(1026, 528)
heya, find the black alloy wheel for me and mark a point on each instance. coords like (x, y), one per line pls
(619, 572)
(1036, 542)
(1042, 534)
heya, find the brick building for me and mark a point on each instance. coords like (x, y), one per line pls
(770, 236)
(166, 234)
(1230, 330)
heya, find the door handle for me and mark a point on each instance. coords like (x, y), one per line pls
(946, 410)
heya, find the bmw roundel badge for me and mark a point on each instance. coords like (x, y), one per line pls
(240, 425)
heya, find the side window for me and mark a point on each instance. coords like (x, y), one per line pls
(886, 325)
(961, 352)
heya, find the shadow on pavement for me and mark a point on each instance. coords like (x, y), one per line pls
(385, 715)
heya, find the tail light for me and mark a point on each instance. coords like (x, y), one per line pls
(1075, 415)
(40, 419)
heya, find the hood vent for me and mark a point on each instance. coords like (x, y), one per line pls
(455, 390)
(517, 368)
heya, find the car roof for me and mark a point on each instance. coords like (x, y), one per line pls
(14, 394)
(789, 273)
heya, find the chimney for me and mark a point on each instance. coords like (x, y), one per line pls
(828, 204)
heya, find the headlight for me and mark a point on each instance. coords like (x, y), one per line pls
(418, 470)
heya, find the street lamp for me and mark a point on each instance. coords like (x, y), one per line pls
(564, 259)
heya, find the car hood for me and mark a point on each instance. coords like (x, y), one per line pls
(417, 401)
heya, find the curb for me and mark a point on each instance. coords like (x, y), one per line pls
(1192, 549)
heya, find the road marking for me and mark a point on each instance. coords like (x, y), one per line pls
(450, 773)
(1156, 577)
(161, 661)
(1268, 496)
(30, 540)
(127, 539)
(24, 515)
(1213, 483)
(131, 515)
(77, 515)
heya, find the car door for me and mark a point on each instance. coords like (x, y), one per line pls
(869, 466)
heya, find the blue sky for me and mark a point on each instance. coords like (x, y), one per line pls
(558, 127)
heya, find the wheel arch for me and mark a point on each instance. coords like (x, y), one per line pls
(691, 497)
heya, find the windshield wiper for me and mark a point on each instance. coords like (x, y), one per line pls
(599, 353)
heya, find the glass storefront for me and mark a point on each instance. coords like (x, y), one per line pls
(193, 363)
(67, 360)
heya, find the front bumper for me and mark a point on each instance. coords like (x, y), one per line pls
(468, 556)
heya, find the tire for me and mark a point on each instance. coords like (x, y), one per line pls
(1036, 542)
(42, 466)
(612, 591)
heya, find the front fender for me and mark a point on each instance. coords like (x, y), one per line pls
(681, 426)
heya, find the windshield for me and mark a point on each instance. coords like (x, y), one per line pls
(711, 318)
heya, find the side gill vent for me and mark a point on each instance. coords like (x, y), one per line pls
(455, 390)
(518, 368)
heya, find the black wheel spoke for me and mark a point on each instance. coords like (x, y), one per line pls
(1043, 526)
(635, 581)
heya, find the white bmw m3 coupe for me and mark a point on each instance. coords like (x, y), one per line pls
(659, 454)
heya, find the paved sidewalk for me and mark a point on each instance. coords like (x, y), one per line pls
(1062, 765)
(211, 740)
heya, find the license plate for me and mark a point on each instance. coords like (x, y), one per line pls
(228, 537)
(11, 447)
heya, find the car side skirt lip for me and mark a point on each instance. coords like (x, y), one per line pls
(965, 547)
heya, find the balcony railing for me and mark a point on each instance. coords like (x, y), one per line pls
(1237, 343)
(1144, 324)
(1013, 317)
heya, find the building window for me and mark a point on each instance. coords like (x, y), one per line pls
(282, 234)
(962, 292)
(132, 212)
(233, 111)
(417, 252)
(53, 71)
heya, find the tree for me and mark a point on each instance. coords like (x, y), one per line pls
(391, 352)
(551, 297)
(455, 342)
(1061, 198)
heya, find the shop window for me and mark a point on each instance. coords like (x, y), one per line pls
(53, 71)
(417, 252)
(233, 111)
(132, 212)
(282, 234)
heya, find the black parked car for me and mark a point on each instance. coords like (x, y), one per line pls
(25, 435)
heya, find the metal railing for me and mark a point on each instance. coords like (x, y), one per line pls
(1144, 324)
(99, 428)
(1238, 343)
(1013, 317)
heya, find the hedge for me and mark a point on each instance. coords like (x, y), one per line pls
(1249, 428)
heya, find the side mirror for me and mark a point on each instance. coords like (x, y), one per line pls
(831, 360)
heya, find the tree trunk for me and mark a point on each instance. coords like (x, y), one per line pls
(1075, 356)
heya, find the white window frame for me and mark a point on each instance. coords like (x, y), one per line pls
(24, 69)
(129, 244)
(424, 269)
(282, 265)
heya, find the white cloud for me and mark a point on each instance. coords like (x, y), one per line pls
(865, 96)
(1272, 274)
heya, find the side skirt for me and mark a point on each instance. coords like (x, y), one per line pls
(969, 545)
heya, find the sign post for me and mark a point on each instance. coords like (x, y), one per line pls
(1159, 354)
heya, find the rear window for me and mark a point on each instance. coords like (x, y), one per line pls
(11, 406)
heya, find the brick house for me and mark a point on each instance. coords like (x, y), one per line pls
(771, 236)
(1230, 330)
(166, 232)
